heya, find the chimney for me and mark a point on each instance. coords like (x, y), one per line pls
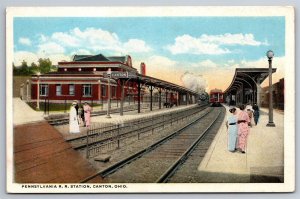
(143, 68)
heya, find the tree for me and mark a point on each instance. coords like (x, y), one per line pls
(34, 68)
(24, 70)
(45, 65)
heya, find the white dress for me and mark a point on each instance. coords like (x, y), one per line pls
(73, 123)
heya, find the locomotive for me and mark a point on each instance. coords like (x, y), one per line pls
(203, 98)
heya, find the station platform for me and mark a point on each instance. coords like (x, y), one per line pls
(23, 114)
(263, 161)
(41, 155)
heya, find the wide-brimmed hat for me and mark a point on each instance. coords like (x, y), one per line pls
(232, 109)
(74, 103)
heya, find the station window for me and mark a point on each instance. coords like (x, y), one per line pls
(58, 89)
(71, 89)
(43, 89)
(103, 90)
(87, 90)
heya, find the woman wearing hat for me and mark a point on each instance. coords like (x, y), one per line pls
(231, 125)
(243, 129)
(73, 123)
(87, 114)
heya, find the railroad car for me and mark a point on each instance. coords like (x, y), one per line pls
(216, 97)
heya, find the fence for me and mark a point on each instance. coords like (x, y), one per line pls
(101, 139)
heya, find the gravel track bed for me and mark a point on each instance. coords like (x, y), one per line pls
(188, 172)
(134, 145)
(151, 166)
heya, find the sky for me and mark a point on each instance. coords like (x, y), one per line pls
(205, 48)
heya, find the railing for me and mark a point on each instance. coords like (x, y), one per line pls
(103, 138)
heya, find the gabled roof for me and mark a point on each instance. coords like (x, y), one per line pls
(98, 57)
(119, 59)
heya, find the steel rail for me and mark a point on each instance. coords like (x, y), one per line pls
(158, 124)
(172, 169)
(131, 158)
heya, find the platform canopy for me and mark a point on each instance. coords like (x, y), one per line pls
(245, 86)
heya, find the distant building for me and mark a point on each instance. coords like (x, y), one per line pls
(278, 95)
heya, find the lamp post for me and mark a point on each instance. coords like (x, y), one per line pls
(38, 91)
(27, 90)
(270, 56)
(108, 93)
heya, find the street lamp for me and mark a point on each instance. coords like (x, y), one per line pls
(38, 91)
(270, 56)
(27, 90)
(108, 93)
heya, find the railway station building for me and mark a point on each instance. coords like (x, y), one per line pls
(85, 79)
(246, 86)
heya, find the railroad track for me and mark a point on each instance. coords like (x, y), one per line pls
(139, 126)
(159, 161)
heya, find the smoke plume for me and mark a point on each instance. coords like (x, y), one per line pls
(194, 82)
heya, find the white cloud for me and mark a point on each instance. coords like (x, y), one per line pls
(87, 41)
(211, 44)
(97, 40)
(65, 39)
(136, 45)
(190, 45)
(50, 48)
(25, 41)
(29, 57)
(231, 39)
(206, 64)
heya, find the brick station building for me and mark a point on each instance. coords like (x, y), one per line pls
(83, 79)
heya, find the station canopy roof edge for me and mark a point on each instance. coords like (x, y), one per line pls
(151, 81)
(248, 78)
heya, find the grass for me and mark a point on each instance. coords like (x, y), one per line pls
(55, 107)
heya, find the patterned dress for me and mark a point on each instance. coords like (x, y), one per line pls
(232, 132)
(243, 130)
(87, 114)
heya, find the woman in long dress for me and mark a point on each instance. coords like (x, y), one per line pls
(256, 113)
(231, 125)
(87, 114)
(73, 120)
(243, 129)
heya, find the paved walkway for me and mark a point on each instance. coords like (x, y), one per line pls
(262, 162)
(23, 114)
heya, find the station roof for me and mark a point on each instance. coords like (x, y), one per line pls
(248, 77)
(151, 81)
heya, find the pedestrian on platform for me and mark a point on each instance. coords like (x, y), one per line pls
(256, 113)
(232, 128)
(87, 114)
(250, 111)
(73, 120)
(81, 115)
(243, 129)
(76, 107)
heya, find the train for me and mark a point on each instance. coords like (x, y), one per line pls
(215, 97)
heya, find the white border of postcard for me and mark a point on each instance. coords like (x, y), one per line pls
(289, 117)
